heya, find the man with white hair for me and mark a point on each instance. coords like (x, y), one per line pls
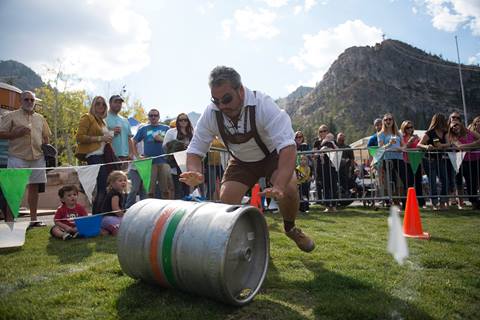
(26, 131)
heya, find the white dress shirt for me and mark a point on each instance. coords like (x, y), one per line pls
(273, 125)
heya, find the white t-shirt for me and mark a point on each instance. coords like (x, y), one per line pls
(273, 125)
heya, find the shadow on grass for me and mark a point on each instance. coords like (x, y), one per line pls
(71, 251)
(335, 296)
(76, 250)
(141, 300)
(6, 251)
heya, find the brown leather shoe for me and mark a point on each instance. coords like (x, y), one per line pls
(301, 239)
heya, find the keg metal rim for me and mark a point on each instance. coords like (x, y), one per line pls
(236, 300)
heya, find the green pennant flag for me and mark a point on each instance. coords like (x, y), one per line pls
(13, 183)
(144, 168)
(415, 158)
(372, 151)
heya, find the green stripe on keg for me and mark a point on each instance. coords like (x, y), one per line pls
(168, 246)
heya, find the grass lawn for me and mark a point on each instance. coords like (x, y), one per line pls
(350, 275)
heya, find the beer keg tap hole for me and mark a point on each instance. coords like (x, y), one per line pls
(247, 254)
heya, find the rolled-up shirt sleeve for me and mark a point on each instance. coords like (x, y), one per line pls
(277, 124)
(205, 132)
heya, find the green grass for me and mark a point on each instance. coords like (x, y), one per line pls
(350, 275)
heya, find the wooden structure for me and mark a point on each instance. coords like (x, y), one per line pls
(9, 96)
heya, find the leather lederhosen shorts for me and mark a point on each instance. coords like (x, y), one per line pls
(248, 173)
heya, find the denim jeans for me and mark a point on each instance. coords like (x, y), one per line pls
(438, 168)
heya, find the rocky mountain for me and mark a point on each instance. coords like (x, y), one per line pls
(294, 97)
(366, 82)
(19, 75)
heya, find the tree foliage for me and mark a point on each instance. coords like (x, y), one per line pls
(62, 111)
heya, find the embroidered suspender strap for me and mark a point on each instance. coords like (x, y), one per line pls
(256, 136)
(221, 129)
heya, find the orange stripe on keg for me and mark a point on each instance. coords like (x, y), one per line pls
(157, 231)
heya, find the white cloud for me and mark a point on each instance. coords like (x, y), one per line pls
(255, 24)
(306, 7)
(414, 10)
(203, 8)
(227, 28)
(320, 50)
(102, 40)
(449, 15)
(276, 3)
(474, 59)
(309, 4)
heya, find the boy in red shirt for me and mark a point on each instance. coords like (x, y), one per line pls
(64, 227)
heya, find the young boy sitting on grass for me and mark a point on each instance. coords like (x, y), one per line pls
(64, 227)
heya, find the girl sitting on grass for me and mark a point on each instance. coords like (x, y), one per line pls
(114, 202)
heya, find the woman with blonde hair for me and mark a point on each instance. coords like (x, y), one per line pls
(92, 138)
(389, 139)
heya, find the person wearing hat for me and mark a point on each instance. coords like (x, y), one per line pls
(120, 127)
(26, 131)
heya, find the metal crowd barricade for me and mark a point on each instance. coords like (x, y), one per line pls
(439, 177)
(448, 176)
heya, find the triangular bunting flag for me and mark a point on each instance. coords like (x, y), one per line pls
(415, 158)
(144, 168)
(13, 183)
(397, 244)
(378, 155)
(372, 151)
(336, 158)
(88, 178)
(181, 159)
(12, 234)
(456, 158)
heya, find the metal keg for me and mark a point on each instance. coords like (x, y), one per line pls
(211, 249)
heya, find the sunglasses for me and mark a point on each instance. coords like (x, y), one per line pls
(298, 137)
(226, 99)
(29, 100)
(322, 131)
(455, 117)
(153, 115)
(182, 120)
(98, 103)
(406, 128)
(388, 119)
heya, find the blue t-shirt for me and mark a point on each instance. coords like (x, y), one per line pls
(373, 141)
(151, 147)
(120, 141)
(389, 155)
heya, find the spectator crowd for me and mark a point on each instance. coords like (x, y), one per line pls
(327, 171)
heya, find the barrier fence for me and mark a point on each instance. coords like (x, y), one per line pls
(368, 176)
(377, 177)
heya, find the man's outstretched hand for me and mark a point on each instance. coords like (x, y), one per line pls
(191, 178)
(273, 192)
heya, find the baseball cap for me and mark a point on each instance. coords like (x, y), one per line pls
(115, 97)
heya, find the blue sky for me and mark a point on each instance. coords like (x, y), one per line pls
(163, 51)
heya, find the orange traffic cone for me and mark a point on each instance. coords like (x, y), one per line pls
(256, 199)
(412, 224)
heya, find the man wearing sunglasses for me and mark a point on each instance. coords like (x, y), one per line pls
(152, 136)
(260, 139)
(26, 131)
